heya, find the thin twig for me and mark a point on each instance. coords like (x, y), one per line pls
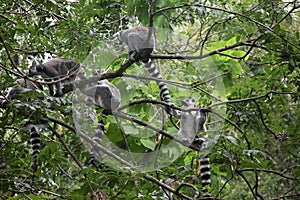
(10, 58)
(270, 29)
(247, 182)
(38, 7)
(167, 187)
(104, 150)
(66, 147)
(150, 126)
(269, 171)
(249, 98)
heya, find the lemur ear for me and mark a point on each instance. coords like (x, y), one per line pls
(36, 65)
(193, 100)
(33, 64)
(40, 67)
(118, 36)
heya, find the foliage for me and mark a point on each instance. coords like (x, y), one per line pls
(240, 59)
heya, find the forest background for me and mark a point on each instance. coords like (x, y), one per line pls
(239, 59)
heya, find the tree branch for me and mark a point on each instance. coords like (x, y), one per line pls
(247, 182)
(10, 58)
(269, 171)
(214, 52)
(167, 187)
(38, 7)
(249, 99)
(129, 118)
(66, 147)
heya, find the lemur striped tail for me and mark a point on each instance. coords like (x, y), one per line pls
(163, 90)
(205, 173)
(35, 140)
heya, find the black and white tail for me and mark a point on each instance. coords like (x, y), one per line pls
(163, 90)
(35, 140)
(205, 173)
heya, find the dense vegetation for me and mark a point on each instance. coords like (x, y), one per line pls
(239, 59)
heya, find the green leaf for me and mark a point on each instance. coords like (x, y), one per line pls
(148, 143)
(113, 133)
(162, 3)
(236, 68)
(231, 41)
(34, 197)
(162, 22)
(130, 130)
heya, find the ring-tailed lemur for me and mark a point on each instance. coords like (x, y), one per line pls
(191, 123)
(54, 70)
(141, 43)
(35, 140)
(103, 94)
